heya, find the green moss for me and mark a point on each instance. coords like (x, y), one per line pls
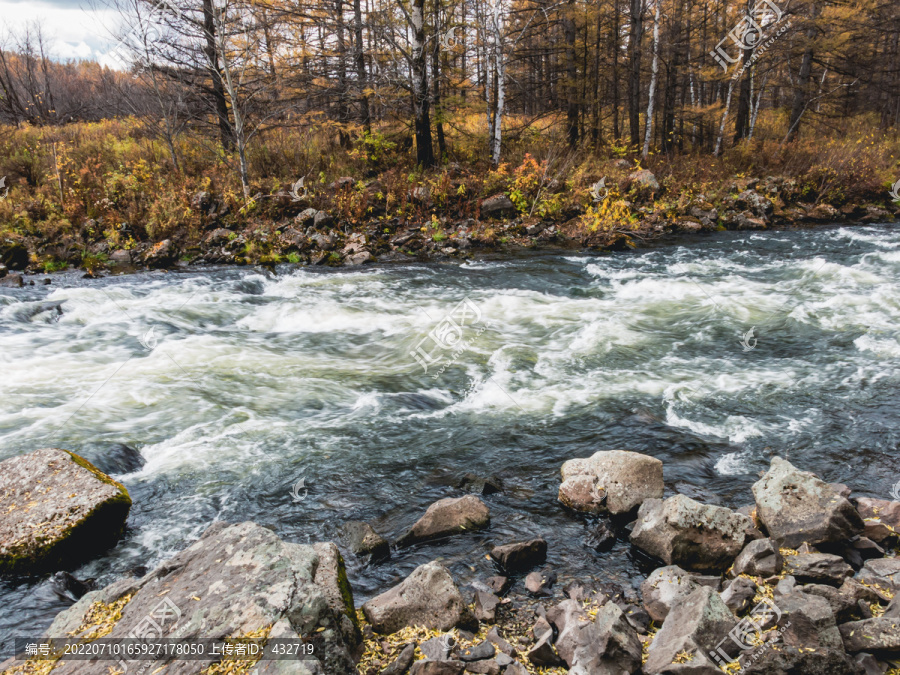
(347, 594)
(99, 529)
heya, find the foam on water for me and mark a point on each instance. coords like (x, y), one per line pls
(253, 381)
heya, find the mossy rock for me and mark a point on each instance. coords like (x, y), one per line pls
(56, 509)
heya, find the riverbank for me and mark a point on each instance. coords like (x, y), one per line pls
(350, 222)
(802, 580)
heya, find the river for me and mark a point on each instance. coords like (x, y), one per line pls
(234, 384)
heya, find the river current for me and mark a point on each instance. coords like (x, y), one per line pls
(381, 387)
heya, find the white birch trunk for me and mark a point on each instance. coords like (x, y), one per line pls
(648, 135)
(725, 112)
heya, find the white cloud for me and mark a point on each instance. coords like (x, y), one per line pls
(72, 32)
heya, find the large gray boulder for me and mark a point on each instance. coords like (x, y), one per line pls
(56, 508)
(697, 537)
(447, 517)
(235, 580)
(601, 645)
(427, 597)
(796, 507)
(693, 629)
(667, 586)
(610, 481)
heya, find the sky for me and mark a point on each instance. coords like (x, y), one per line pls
(74, 29)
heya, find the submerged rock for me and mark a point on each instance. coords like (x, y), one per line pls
(448, 516)
(427, 597)
(364, 540)
(698, 537)
(234, 580)
(796, 507)
(55, 509)
(612, 481)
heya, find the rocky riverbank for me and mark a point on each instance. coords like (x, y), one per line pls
(629, 208)
(801, 580)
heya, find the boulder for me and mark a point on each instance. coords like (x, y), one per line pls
(446, 517)
(760, 558)
(843, 604)
(201, 201)
(480, 652)
(404, 660)
(493, 636)
(695, 536)
(795, 507)
(815, 568)
(611, 481)
(56, 508)
(360, 258)
(437, 668)
(12, 281)
(112, 458)
(234, 580)
(881, 518)
(306, 217)
(342, 183)
(882, 575)
(120, 256)
(13, 255)
(693, 629)
(543, 654)
(540, 583)
(486, 606)
(498, 206)
(427, 597)
(879, 635)
(667, 586)
(738, 595)
(520, 556)
(599, 537)
(321, 220)
(161, 254)
(363, 540)
(643, 183)
(606, 643)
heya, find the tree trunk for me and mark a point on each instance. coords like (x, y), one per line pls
(360, 59)
(218, 88)
(654, 76)
(801, 91)
(424, 149)
(635, 34)
(571, 79)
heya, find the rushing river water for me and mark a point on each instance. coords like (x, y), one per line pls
(235, 383)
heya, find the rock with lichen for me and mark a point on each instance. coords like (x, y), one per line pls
(56, 508)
